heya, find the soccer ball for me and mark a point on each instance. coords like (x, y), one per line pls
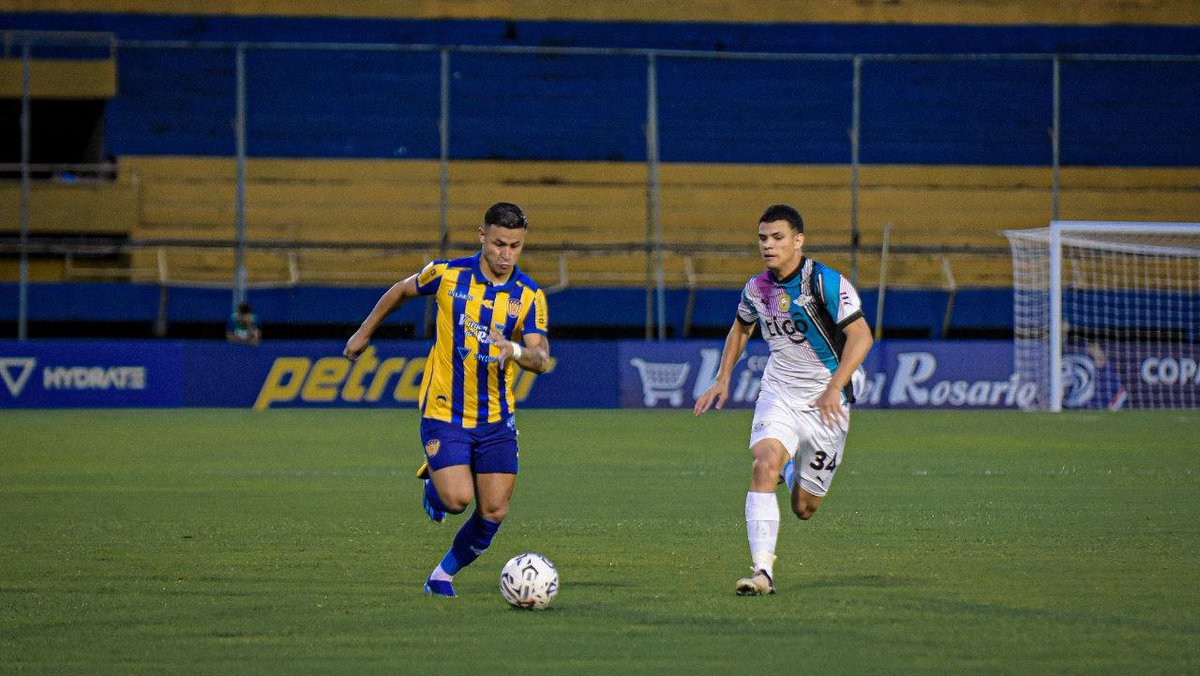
(529, 580)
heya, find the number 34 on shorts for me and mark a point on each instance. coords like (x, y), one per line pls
(816, 469)
(823, 461)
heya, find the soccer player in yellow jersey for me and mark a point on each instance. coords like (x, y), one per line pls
(491, 318)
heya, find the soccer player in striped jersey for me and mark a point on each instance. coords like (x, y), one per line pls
(491, 318)
(811, 317)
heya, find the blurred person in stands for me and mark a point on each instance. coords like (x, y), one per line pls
(243, 326)
(491, 318)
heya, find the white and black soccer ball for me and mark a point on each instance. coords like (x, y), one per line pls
(529, 580)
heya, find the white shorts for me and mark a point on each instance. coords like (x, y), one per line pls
(815, 447)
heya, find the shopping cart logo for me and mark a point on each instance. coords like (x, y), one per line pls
(22, 368)
(662, 380)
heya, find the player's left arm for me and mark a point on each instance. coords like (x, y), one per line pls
(858, 344)
(535, 356)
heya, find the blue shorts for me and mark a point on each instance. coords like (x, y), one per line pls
(489, 448)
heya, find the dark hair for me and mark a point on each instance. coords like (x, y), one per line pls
(505, 215)
(243, 307)
(782, 212)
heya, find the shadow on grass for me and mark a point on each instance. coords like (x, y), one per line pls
(869, 581)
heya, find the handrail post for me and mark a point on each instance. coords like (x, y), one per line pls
(952, 288)
(239, 267)
(444, 157)
(689, 272)
(26, 131)
(855, 133)
(1055, 138)
(654, 235)
(883, 261)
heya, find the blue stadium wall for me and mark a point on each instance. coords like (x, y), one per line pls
(916, 313)
(179, 102)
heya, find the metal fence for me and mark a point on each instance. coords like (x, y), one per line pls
(445, 87)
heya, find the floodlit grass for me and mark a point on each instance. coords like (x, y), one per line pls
(293, 541)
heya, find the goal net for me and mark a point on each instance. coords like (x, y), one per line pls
(1107, 315)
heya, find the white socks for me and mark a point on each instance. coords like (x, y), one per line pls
(762, 529)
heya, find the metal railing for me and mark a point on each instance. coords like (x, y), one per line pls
(560, 266)
(655, 247)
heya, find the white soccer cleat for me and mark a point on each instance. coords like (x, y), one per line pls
(757, 584)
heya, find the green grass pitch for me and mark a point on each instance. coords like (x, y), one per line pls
(292, 541)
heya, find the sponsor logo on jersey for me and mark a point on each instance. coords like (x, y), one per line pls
(478, 330)
(430, 273)
(539, 317)
(514, 307)
(791, 327)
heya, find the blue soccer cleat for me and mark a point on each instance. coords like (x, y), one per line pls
(435, 515)
(439, 588)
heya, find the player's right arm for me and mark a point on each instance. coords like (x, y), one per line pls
(735, 344)
(390, 300)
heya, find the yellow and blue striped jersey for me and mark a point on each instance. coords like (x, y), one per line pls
(463, 382)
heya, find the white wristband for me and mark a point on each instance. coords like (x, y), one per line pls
(517, 351)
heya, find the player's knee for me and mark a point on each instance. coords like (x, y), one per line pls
(764, 474)
(494, 513)
(804, 513)
(456, 503)
(804, 510)
(768, 464)
(765, 466)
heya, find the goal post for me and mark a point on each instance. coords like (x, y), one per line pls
(1107, 314)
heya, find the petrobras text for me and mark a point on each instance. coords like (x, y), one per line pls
(369, 379)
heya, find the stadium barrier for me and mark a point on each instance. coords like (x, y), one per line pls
(585, 374)
(909, 313)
